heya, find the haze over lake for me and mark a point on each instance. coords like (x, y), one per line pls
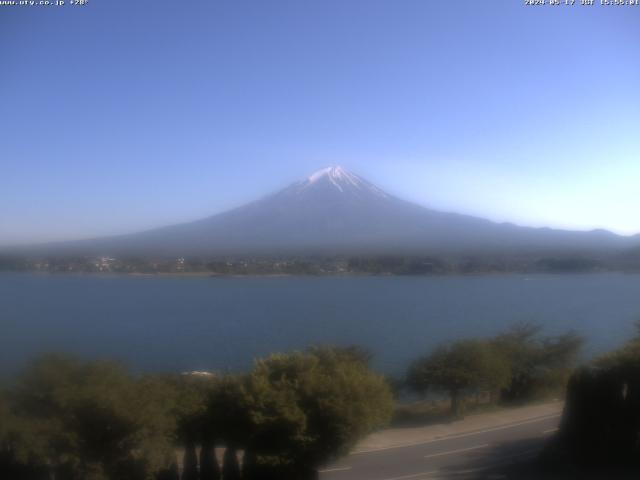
(177, 324)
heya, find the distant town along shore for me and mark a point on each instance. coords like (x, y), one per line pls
(325, 265)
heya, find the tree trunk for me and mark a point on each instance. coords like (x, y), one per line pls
(457, 406)
(190, 463)
(209, 468)
(230, 466)
(250, 466)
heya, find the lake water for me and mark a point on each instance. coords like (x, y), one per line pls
(177, 324)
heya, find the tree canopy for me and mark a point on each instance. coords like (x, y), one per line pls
(302, 409)
(465, 366)
(519, 364)
(75, 420)
(87, 421)
(537, 363)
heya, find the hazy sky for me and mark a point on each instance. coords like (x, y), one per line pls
(124, 115)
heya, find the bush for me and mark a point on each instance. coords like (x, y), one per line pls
(296, 411)
(85, 421)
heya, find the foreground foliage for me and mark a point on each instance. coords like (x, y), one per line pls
(73, 420)
(313, 407)
(601, 422)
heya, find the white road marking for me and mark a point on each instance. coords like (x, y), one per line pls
(460, 450)
(551, 430)
(337, 469)
(403, 477)
(461, 435)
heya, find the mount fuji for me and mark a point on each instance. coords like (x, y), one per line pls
(334, 211)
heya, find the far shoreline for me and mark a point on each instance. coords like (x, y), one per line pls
(209, 275)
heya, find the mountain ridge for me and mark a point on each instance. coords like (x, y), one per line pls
(334, 211)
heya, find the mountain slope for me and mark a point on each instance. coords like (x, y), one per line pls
(335, 211)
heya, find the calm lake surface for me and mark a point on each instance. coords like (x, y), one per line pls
(178, 324)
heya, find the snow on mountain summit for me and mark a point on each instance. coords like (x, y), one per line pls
(336, 173)
(340, 179)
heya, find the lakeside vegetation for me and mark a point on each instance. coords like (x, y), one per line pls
(600, 426)
(69, 419)
(515, 367)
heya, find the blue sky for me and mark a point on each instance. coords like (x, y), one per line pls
(120, 116)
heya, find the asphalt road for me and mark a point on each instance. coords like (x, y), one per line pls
(475, 454)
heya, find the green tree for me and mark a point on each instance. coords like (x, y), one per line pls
(462, 367)
(190, 410)
(190, 462)
(306, 408)
(209, 468)
(228, 415)
(89, 421)
(538, 364)
(230, 465)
